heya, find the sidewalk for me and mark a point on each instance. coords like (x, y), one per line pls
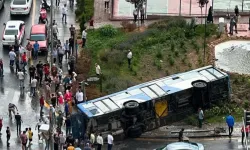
(206, 131)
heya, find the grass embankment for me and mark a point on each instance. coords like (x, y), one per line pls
(164, 48)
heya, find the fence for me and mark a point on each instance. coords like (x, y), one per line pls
(122, 9)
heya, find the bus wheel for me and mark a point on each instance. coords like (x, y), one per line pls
(134, 131)
(131, 107)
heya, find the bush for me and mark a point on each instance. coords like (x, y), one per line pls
(171, 60)
(84, 12)
(210, 30)
(108, 31)
(246, 104)
(159, 54)
(116, 57)
(169, 23)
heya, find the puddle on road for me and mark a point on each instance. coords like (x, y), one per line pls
(233, 56)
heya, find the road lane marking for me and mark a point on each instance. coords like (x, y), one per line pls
(33, 12)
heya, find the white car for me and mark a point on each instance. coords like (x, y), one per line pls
(20, 7)
(11, 29)
(183, 146)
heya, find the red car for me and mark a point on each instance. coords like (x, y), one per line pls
(38, 33)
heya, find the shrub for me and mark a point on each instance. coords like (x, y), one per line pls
(211, 29)
(171, 61)
(108, 31)
(159, 54)
(191, 120)
(116, 57)
(169, 23)
(246, 104)
(176, 53)
(172, 46)
(182, 44)
(104, 55)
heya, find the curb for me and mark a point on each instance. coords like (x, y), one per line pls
(176, 137)
(192, 131)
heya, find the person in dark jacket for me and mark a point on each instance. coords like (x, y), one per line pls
(236, 10)
(230, 124)
(210, 15)
(181, 135)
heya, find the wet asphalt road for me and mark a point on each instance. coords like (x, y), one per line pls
(9, 87)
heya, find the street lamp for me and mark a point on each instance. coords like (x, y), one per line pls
(202, 3)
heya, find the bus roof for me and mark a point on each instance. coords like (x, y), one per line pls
(149, 90)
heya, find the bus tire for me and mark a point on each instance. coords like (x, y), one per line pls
(134, 131)
(199, 84)
(131, 107)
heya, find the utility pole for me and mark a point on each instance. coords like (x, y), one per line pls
(51, 126)
(51, 33)
(52, 113)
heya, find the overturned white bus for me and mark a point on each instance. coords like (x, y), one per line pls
(152, 104)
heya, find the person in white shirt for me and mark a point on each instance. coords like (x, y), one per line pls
(55, 30)
(135, 13)
(20, 75)
(110, 141)
(84, 37)
(79, 96)
(92, 138)
(129, 56)
(62, 140)
(33, 86)
(12, 56)
(61, 51)
(99, 141)
(97, 69)
(64, 13)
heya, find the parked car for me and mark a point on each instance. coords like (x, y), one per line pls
(38, 33)
(12, 28)
(2, 4)
(183, 146)
(20, 7)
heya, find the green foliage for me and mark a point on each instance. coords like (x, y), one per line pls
(169, 23)
(159, 54)
(172, 46)
(108, 31)
(171, 60)
(191, 120)
(211, 29)
(246, 104)
(84, 11)
(116, 83)
(176, 53)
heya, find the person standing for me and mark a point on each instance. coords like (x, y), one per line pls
(29, 49)
(68, 125)
(1, 125)
(235, 18)
(231, 26)
(210, 15)
(33, 86)
(55, 30)
(243, 134)
(110, 141)
(54, 55)
(97, 69)
(12, 56)
(236, 10)
(71, 48)
(30, 133)
(39, 69)
(135, 13)
(78, 147)
(106, 4)
(18, 123)
(32, 71)
(99, 141)
(61, 51)
(38, 125)
(67, 49)
(181, 135)
(72, 30)
(24, 140)
(1, 68)
(24, 62)
(36, 48)
(62, 141)
(79, 96)
(92, 139)
(230, 124)
(20, 75)
(64, 13)
(129, 56)
(142, 11)
(84, 38)
(12, 108)
(200, 117)
(53, 100)
(8, 134)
